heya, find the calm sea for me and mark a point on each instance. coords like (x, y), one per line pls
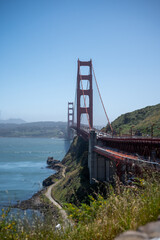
(23, 165)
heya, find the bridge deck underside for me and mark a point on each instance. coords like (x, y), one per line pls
(118, 156)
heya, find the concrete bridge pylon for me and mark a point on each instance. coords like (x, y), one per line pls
(100, 167)
(92, 157)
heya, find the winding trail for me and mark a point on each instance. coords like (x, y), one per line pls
(67, 221)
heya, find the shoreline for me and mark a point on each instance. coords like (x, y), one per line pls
(38, 201)
(25, 178)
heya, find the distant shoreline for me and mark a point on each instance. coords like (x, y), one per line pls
(33, 137)
(34, 130)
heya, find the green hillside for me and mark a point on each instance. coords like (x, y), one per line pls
(142, 120)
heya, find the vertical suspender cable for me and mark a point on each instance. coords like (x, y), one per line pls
(102, 100)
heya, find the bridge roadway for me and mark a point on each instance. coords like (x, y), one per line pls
(131, 145)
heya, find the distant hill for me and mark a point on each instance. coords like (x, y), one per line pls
(141, 119)
(13, 120)
(35, 129)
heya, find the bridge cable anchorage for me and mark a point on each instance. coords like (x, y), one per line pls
(102, 100)
(84, 98)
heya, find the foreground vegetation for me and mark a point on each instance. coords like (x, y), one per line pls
(143, 121)
(104, 217)
(96, 214)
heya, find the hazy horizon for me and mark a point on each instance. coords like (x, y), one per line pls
(39, 120)
(14, 119)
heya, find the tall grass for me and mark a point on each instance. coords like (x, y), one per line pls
(126, 208)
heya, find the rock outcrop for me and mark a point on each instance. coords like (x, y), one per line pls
(147, 232)
(51, 161)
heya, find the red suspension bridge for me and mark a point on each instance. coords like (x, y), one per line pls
(106, 151)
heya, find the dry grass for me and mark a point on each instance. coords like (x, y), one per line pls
(103, 219)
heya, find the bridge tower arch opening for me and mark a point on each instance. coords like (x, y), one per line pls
(81, 92)
(70, 119)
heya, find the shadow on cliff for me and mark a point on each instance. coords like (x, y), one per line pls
(77, 184)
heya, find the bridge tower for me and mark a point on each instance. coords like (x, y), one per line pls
(80, 92)
(70, 119)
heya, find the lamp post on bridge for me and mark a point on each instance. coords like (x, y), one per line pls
(152, 130)
(132, 130)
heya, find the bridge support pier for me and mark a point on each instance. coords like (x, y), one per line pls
(112, 170)
(92, 157)
(106, 169)
(100, 167)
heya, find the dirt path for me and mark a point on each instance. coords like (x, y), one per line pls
(67, 222)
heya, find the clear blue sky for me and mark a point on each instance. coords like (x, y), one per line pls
(41, 40)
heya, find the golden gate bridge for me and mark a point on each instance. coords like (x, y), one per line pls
(106, 152)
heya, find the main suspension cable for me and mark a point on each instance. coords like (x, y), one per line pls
(101, 99)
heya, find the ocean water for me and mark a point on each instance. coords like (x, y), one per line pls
(23, 166)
